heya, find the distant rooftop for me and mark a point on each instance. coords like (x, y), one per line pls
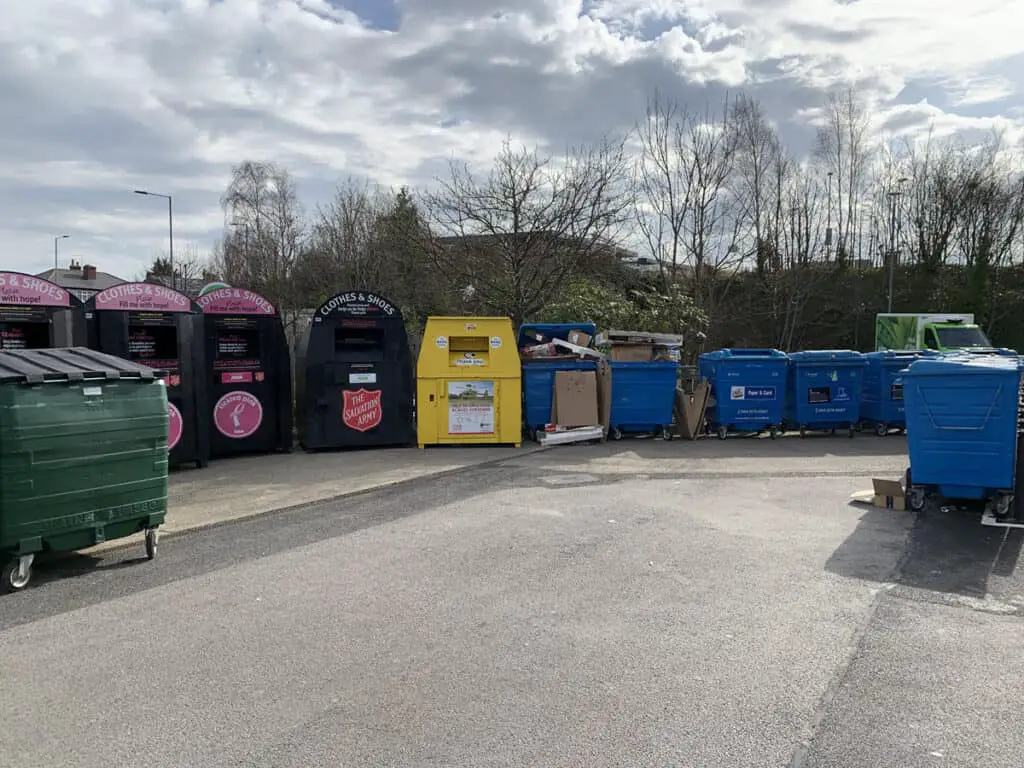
(83, 280)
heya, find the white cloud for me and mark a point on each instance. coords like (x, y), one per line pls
(104, 96)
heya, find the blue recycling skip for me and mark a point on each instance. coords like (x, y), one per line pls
(824, 388)
(746, 387)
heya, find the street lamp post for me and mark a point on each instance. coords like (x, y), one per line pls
(56, 240)
(170, 229)
(893, 197)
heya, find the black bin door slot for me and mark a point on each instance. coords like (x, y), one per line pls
(819, 395)
(24, 335)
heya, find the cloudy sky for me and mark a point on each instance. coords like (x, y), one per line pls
(101, 97)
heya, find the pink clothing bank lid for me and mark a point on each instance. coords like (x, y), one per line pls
(142, 297)
(235, 301)
(28, 291)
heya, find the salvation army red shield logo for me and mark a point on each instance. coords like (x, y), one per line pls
(175, 425)
(237, 414)
(361, 409)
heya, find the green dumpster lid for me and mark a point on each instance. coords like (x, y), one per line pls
(35, 366)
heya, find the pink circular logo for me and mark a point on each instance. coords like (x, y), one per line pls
(175, 425)
(238, 414)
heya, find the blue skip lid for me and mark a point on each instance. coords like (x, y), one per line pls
(964, 365)
(895, 355)
(828, 357)
(554, 330)
(745, 354)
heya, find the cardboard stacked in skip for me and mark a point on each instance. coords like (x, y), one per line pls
(641, 347)
(542, 348)
(580, 406)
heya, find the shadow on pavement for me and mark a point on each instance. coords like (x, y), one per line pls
(948, 552)
(52, 566)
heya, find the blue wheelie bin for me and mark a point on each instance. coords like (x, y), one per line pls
(748, 390)
(643, 398)
(539, 374)
(823, 390)
(881, 404)
(963, 414)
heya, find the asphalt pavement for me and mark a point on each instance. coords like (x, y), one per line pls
(562, 609)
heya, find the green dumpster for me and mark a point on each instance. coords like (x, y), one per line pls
(83, 454)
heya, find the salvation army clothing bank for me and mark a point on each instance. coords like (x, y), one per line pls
(249, 374)
(354, 375)
(37, 314)
(160, 328)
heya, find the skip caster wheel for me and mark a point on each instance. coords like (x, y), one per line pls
(723, 432)
(16, 574)
(803, 432)
(152, 539)
(666, 433)
(616, 433)
(916, 497)
(852, 431)
(882, 430)
(773, 432)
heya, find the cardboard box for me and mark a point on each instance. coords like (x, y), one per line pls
(579, 338)
(604, 395)
(690, 410)
(575, 399)
(632, 353)
(889, 494)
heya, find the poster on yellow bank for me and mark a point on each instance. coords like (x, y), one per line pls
(470, 407)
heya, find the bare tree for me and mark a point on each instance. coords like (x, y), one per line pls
(514, 237)
(760, 169)
(715, 225)
(690, 219)
(265, 231)
(340, 244)
(190, 267)
(661, 186)
(843, 146)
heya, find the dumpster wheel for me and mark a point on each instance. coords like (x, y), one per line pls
(17, 574)
(853, 431)
(773, 432)
(723, 432)
(152, 539)
(881, 429)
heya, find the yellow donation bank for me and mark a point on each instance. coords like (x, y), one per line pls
(468, 388)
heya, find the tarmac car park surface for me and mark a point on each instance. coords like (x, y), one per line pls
(631, 604)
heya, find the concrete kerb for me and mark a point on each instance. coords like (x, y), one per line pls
(131, 541)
